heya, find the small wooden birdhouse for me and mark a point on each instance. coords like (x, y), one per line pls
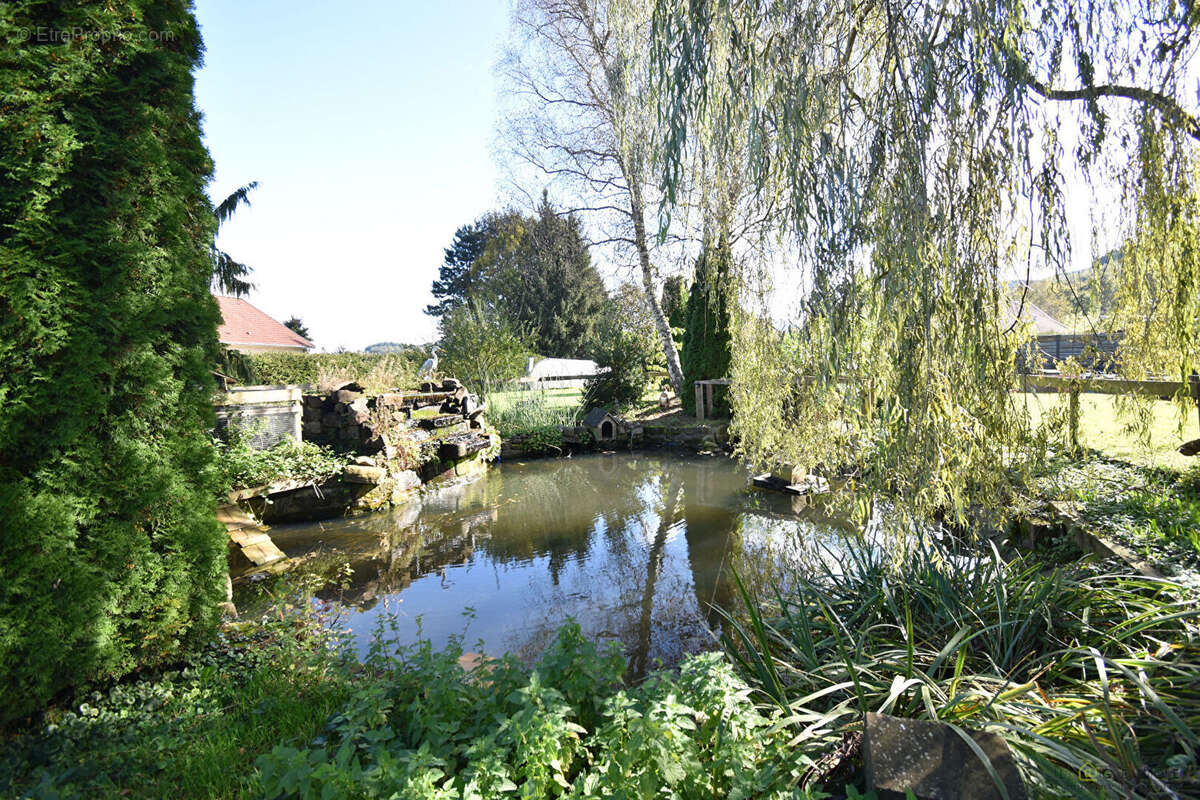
(603, 424)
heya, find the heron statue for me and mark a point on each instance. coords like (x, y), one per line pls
(430, 364)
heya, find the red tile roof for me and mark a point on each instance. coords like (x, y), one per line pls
(243, 324)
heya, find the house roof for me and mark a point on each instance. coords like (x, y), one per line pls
(242, 323)
(1043, 323)
(562, 367)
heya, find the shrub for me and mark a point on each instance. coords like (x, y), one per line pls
(110, 551)
(626, 352)
(427, 728)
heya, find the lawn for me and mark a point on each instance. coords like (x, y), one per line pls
(1101, 428)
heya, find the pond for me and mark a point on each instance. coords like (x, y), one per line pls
(636, 547)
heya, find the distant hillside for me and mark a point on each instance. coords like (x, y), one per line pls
(393, 347)
(1083, 293)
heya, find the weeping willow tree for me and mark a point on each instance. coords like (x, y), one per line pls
(920, 156)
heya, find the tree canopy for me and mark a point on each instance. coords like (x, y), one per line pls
(534, 270)
(912, 161)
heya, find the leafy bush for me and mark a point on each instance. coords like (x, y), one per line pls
(483, 347)
(375, 371)
(625, 353)
(242, 466)
(427, 728)
(110, 551)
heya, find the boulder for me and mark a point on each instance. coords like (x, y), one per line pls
(358, 473)
(931, 760)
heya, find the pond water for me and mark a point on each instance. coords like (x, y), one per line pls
(636, 547)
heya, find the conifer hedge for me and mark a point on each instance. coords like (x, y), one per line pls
(706, 338)
(109, 550)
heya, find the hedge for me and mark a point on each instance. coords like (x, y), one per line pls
(111, 554)
(386, 369)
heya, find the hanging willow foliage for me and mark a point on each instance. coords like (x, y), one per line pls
(914, 149)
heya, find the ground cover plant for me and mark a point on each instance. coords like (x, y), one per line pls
(242, 466)
(1155, 512)
(192, 730)
(425, 727)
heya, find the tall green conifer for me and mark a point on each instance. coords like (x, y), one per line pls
(110, 551)
(706, 348)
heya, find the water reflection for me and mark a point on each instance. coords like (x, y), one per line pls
(637, 547)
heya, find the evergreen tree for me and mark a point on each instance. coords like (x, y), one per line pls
(297, 326)
(674, 301)
(706, 339)
(559, 295)
(111, 553)
(456, 275)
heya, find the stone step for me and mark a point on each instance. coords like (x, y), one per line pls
(244, 537)
(231, 516)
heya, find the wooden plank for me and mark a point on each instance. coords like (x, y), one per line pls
(699, 401)
(1095, 385)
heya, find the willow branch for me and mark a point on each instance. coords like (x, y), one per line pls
(1165, 104)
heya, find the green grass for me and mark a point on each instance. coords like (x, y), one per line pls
(1104, 430)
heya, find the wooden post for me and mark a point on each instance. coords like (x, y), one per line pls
(1073, 417)
(699, 401)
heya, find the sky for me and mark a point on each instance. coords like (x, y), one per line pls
(369, 127)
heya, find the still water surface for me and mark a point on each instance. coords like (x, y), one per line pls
(636, 547)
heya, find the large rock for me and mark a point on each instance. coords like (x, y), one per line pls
(932, 760)
(357, 473)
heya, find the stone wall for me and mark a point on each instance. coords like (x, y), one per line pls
(400, 442)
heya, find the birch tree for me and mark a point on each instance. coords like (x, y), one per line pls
(579, 73)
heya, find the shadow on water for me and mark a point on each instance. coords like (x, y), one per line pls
(636, 547)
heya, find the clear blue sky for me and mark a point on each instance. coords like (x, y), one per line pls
(369, 126)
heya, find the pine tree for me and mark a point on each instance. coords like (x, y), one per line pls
(459, 275)
(706, 339)
(110, 551)
(560, 296)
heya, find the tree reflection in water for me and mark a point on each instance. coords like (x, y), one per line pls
(637, 547)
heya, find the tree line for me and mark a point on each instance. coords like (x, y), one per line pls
(514, 285)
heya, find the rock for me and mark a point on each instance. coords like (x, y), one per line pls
(352, 386)
(932, 761)
(329, 420)
(228, 610)
(347, 396)
(357, 473)
(364, 461)
(789, 473)
(407, 480)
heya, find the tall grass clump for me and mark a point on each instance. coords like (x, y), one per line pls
(1092, 678)
(523, 412)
